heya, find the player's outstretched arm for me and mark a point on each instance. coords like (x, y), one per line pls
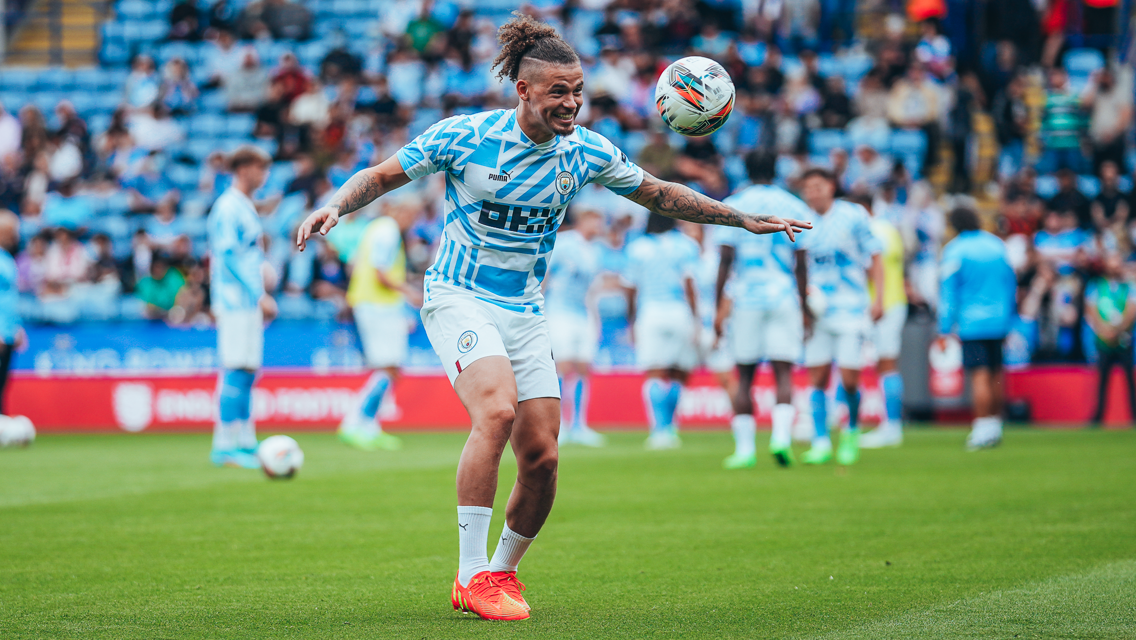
(680, 201)
(362, 189)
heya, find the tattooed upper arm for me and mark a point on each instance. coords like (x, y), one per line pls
(680, 201)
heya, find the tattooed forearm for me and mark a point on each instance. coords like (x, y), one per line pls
(680, 201)
(359, 191)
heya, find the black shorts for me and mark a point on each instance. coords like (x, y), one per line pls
(977, 354)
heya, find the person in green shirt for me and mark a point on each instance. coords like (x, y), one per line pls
(421, 30)
(1062, 124)
(159, 289)
(1110, 309)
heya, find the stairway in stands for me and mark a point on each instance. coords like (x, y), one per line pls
(76, 42)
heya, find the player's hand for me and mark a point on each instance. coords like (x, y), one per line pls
(808, 320)
(773, 224)
(321, 220)
(268, 307)
(720, 321)
(20, 344)
(877, 311)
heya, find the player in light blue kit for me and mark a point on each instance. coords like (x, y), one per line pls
(843, 254)
(240, 306)
(770, 281)
(662, 307)
(572, 321)
(12, 336)
(510, 175)
(714, 347)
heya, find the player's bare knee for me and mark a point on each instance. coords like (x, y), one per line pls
(540, 466)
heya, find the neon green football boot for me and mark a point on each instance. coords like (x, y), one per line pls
(740, 461)
(381, 441)
(820, 453)
(782, 454)
(848, 451)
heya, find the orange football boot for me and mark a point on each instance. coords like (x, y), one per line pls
(512, 586)
(487, 598)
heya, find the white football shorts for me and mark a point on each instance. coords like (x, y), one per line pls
(383, 331)
(464, 329)
(664, 338)
(839, 339)
(240, 339)
(768, 335)
(574, 337)
(888, 334)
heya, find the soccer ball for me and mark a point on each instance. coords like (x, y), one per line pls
(280, 457)
(695, 96)
(16, 431)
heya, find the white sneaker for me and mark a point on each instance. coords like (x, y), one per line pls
(983, 439)
(586, 436)
(662, 440)
(881, 437)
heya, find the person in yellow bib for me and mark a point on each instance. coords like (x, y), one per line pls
(378, 293)
(889, 335)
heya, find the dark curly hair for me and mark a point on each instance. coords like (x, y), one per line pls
(524, 37)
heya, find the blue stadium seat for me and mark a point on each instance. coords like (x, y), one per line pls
(822, 141)
(14, 101)
(208, 125)
(212, 102)
(240, 125)
(1046, 186)
(85, 103)
(109, 100)
(114, 53)
(46, 101)
(1082, 62)
(88, 80)
(1088, 185)
(19, 79)
(56, 79)
(183, 176)
(829, 65)
(183, 50)
(910, 146)
(113, 30)
(98, 123)
(200, 148)
(135, 10)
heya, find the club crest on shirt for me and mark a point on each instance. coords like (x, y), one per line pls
(565, 182)
(467, 341)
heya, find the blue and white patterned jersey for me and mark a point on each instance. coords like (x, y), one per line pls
(9, 297)
(572, 270)
(505, 199)
(237, 282)
(765, 265)
(658, 265)
(841, 245)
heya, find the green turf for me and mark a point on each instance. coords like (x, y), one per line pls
(137, 537)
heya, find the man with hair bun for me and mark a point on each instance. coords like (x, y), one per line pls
(510, 176)
(240, 305)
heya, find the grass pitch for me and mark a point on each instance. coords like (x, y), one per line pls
(138, 537)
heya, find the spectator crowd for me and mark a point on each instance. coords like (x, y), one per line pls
(1025, 113)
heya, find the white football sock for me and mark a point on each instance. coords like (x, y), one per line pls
(745, 430)
(473, 540)
(510, 549)
(822, 441)
(246, 434)
(783, 417)
(224, 436)
(893, 426)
